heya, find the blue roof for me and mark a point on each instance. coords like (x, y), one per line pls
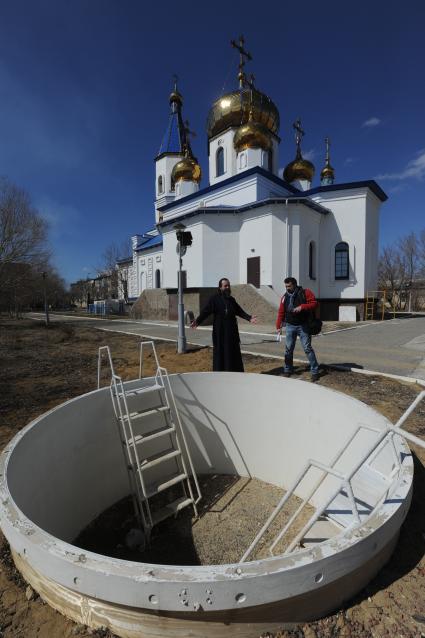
(125, 260)
(371, 184)
(149, 243)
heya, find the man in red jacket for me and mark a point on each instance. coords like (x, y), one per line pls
(295, 306)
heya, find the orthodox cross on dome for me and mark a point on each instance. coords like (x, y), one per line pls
(243, 57)
(299, 134)
(188, 134)
(328, 143)
(175, 79)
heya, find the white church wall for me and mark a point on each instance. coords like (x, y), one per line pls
(266, 189)
(346, 223)
(372, 242)
(254, 241)
(163, 169)
(237, 194)
(279, 246)
(220, 248)
(224, 140)
(309, 233)
(147, 263)
(192, 260)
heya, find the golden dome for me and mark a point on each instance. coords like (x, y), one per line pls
(252, 135)
(187, 170)
(176, 97)
(327, 172)
(233, 109)
(298, 169)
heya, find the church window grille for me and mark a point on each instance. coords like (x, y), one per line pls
(219, 161)
(341, 260)
(160, 185)
(312, 260)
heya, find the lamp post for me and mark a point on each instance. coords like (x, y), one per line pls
(184, 239)
(46, 307)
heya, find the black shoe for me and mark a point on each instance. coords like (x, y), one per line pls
(287, 374)
(315, 376)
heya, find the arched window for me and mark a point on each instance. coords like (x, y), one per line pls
(312, 260)
(172, 184)
(219, 161)
(341, 260)
(157, 278)
(160, 185)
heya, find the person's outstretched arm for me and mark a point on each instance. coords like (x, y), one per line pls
(240, 312)
(206, 311)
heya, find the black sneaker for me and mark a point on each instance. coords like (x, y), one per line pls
(315, 376)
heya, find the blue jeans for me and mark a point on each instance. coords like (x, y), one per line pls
(305, 338)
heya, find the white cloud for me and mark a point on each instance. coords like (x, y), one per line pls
(349, 160)
(62, 218)
(415, 169)
(372, 121)
(310, 154)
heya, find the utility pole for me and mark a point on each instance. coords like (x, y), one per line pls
(46, 307)
(184, 239)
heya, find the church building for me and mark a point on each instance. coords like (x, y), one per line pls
(250, 224)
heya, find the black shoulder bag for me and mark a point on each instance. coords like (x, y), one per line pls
(313, 324)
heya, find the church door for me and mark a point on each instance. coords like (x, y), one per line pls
(253, 271)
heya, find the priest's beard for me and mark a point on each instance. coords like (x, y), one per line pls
(226, 292)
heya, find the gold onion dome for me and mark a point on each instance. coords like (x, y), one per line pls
(187, 170)
(176, 97)
(252, 135)
(300, 168)
(233, 110)
(327, 172)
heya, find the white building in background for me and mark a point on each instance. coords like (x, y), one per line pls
(249, 224)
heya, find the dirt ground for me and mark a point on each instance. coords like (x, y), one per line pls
(41, 368)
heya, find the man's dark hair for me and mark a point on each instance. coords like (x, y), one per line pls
(221, 280)
(291, 280)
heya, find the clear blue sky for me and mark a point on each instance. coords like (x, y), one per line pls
(84, 88)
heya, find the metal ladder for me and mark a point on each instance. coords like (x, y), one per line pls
(344, 484)
(153, 441)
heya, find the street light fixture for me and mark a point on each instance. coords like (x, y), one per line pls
(184, 239)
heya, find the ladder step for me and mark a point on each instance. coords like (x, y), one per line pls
(143, 413)
(153, 434)
(171, 509)
(145, 390)
(156, 488)
(158, 458)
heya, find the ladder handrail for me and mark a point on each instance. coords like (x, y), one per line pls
(181, 431)
(101, 351)
(345, 480)
(136, 464)
(147, 343)
(140, 515)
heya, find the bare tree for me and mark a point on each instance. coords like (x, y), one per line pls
(399, 267)
(110, 276)
(23, 233)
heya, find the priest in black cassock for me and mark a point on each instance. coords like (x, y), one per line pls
(227, 352)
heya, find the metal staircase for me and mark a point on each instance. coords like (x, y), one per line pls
(356, 494)
(156, 454)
